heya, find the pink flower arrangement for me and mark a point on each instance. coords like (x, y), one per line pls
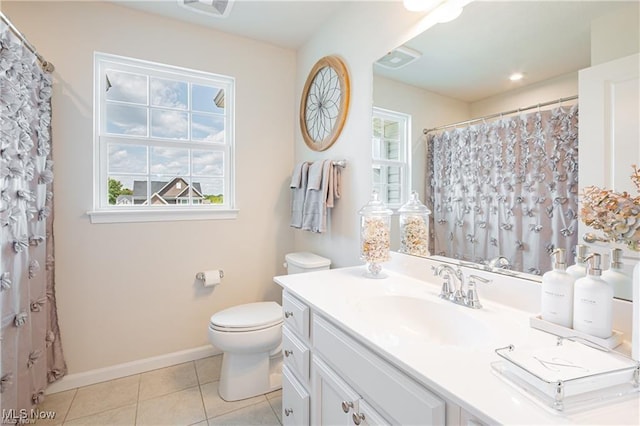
(617, 215)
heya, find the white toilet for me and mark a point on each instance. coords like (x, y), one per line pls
(250, 337)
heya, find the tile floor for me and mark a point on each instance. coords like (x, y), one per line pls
(184, 394)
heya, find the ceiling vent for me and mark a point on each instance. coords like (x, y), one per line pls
(398, 58)
(217, 8)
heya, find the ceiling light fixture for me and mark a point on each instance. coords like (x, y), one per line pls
(516, 76)
(217, 8)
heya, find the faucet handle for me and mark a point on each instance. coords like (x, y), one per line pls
(447, 290)
(472, 279)
(472, 299)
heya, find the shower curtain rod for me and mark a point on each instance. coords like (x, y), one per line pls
(475, 120)
(46, 66)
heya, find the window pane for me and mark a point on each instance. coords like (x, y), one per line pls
(121, 190)
(169, 93)
(377, 174)
(394, 194)
(126, 120)
(169, 161)
(169, 124)
(377, 127)
(391, 130)
(207, 128)
(212, 190)
(207, 99)
(392, 150)
(393, 175)
(127, 158)
(207, 163)
(140, 190)
(126, 87)
(162, 193)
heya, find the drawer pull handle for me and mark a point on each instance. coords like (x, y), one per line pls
(288, 412)
(357, 418)
(287, 352)
(288, 314)
(347, 405)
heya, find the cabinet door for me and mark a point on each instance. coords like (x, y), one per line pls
(333, 402)
(367, 416)
(609, 131)
(295, 401)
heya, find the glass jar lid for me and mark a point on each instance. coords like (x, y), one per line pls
(414, 206)
(375, 207)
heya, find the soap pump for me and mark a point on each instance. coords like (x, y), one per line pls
(579, 269)
(593, 301)
(557, 292)
(616, 276)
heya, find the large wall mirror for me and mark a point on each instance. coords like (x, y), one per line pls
(514, 157)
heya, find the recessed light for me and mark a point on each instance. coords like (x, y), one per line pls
(516, 76)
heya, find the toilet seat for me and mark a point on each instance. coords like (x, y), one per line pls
(247, 317)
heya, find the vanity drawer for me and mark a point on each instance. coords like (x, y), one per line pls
(295, 400)
(405, 401)
(296, 315)
(296, 355)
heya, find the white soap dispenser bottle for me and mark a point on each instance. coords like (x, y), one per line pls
(593, 301)
(616, 276)
(557, 292)
(579, 269)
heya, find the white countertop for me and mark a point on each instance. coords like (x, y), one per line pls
(460, 373)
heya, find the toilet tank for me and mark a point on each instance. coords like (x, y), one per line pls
(305, 262)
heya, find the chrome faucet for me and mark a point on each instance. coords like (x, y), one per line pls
(499, 262)
(458, 294)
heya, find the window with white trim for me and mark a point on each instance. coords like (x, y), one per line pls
(163, 141)
(391, 156)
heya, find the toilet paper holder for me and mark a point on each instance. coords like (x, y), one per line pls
(200, 275)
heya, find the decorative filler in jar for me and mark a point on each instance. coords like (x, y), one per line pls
(414, 227)
(375, 223)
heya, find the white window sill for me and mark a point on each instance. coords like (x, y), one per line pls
(159, 215)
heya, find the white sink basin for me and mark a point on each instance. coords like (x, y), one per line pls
(398, 318)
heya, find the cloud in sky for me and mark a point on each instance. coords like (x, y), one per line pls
(127, 87)
(127, 158)
(169, 93)
(170, 161)
(207, 163)
(169, 124)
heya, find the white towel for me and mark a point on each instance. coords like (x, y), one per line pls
(298, 193)
(314, 216)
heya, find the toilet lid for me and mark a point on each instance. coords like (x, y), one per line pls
(248, 316)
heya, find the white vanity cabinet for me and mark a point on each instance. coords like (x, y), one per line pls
(329, 378)
(375, 391)
(296, 355)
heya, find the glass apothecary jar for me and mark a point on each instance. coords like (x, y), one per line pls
(414, 227)
(375, 235)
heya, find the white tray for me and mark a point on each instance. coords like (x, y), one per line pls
(569, 373)
(610, 343)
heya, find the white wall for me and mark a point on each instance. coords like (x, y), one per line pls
(127, 291)
(615, 35)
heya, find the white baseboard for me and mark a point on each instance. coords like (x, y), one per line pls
(72, 381)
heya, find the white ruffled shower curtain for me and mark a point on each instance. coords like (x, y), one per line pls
(31, 352)
(506, 188)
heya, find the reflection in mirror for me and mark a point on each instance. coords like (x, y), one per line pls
(504, 186)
